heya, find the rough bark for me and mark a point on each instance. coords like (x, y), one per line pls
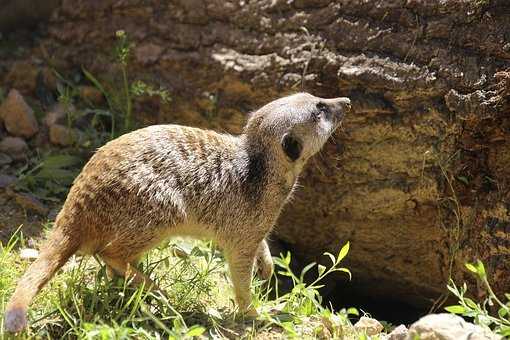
(418, 177)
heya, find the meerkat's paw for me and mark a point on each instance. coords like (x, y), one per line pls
(15, 320)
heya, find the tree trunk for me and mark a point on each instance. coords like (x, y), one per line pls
(418, 177)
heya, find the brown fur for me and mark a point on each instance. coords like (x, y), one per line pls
(167, 180)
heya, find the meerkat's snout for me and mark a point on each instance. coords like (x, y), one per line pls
(339, 107)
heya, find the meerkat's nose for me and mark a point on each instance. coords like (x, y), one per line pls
(340, 106)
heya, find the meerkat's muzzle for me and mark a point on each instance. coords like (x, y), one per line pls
(339, 107)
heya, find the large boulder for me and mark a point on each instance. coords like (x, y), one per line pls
(417, 179)
(448, 327)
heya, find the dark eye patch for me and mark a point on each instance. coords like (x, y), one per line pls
(322, 110)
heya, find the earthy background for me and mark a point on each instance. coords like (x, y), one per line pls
(418, 178)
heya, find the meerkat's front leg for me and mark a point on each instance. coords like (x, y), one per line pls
(264, 261)
(241, 263)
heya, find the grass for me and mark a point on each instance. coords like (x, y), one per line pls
(82, 303)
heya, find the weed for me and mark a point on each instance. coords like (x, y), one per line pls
(479, 312)
(49, 176)
(120, 99)
(81, 302)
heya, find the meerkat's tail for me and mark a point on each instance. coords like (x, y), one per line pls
(54, 254)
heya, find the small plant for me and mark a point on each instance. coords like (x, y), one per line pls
(120, 99)
(480, 311)
(305, 301)
(50, 176)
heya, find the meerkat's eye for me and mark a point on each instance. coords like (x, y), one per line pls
(322, 110)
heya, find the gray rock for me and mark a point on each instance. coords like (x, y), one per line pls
(56, 114)
(52, 214)
(448, 327)
(30, 202)
(6, 181)
(368, 326)
(15, 147)
(5, 159)
(18, 117)
(399, 333)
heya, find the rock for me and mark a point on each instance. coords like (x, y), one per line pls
(18, 117)
(23, 76)
(52, 214)
(399, 333)
(91, 94)
(447, 327)
(6, 181)
(57, 114)
(368, 326)
(15, 147)
(5, 159)
(30, 202)
(64, 136)
(28, 254)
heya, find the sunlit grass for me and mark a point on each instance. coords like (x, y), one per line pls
(81, 302)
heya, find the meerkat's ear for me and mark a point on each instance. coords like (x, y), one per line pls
(292, 146)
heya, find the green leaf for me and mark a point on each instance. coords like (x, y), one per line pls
(195, 331)
(463, 179)
(502, 312)
(321, 269)
(343, 252)
(470, 303)
(480, 268)
(471, 268)
(60, 161)
(456, 309)
(345, 270)
(352, 311)
(306, 269)
(331, 257)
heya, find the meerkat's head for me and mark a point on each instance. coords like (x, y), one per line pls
(297, 126)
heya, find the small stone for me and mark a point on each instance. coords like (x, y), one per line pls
(23, 76)
(57, 114)
(91, 94)
(6, 181)
(18, 117)
(448, 327)
(399, 333)
(29, 254)
(52, 215)
(15, 147)
(5, 159)
(30, 202)
(368, 326)
(64, 136)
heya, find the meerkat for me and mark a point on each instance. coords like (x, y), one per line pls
(168, 180)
